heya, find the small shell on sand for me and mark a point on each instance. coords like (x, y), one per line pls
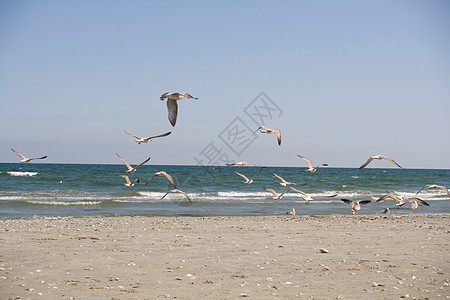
(323, 250)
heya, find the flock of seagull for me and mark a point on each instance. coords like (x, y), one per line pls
(172, 108)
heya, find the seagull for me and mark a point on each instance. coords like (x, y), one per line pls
(276, 196)
(284, 182)
(130, 169)
(415, 203)
(386, 211)
(379, 157)
(129, 183)
(162, 173)
(311, 168)
(356, 205)
(291, 212)
(435, 186)
(308, 198)
(172, 105)
(401, 200)
(177, 191)
(25, 159)
(140, 139)
(264, 129)
(248, 181)
(241, 163)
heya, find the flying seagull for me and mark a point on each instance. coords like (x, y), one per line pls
(241, 163)
(128, 183)
(379, 157)
(141, 139)
(162, 173)
(177, 191)
(435, 186)
(284, 182)
(310, 167)
(276, 196)
(415, 203)
(248, 181)
(356, 205)
(172, 105)
(129, 168)
(307, 197)
(25, 159)
(264, 129)
(401, 199)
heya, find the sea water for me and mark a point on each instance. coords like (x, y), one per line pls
(38, 189)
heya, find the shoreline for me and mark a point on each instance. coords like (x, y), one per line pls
(226, 257)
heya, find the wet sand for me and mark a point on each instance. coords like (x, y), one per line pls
(271, 257)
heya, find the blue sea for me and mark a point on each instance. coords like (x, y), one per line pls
(37, 189)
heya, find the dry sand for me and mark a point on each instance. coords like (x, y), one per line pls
(271, 257)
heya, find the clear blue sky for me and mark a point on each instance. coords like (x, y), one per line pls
(353, 79)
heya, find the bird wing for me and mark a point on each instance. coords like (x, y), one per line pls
(186, 95)
(145, 161)
(364, 202)
(260, 170)
(161, 135)
(172, 108)
(164, 96)
(390, 195)
(418, 201)
(298, 191)
(127, 179)
(348, 201)
(322, 165)
(231, 164)
(271, 190)
(43, 157)
(135, 136)
(125, 162)
(170, 178)
(150, 179)
(444, 188)
(242, 175)
(184, 194)
(20, 155)
(420, 190)
(279, 177)
(366, 163)
(278, 132)
(390, 160)
(257, 129)
(307, 160)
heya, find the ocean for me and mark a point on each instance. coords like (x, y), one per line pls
(39, 189)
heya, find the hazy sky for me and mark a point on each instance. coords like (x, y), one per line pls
(350, 79)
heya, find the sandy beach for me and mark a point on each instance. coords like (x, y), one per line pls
(268, 257)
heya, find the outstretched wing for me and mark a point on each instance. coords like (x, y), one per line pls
(364, 202)
(20, 155)
(145, 161)
(271, 190)
(172, 108)
(307, 160)
(298, 191)
(279, 177)
(242, 175)
(260, 170)
(127, 179)
(170, 178)
(390, 160)
(347, 201)
(161, 135)
(445, 189)
(278, 132)
(135, 136)
(124, 161)
(184, 194)
(150, 179)
(366, 163)
(418, 201)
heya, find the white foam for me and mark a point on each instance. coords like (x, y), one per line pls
(64, 203)
(18, 173)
